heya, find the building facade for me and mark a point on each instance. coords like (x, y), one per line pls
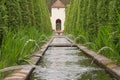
(58, 16)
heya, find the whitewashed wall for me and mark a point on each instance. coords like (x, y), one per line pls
(57, 14)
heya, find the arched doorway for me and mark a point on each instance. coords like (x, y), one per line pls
(58, 25)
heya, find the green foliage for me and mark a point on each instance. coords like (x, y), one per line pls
(25, 13)
(91, 19)
(3, 14)
(31, 12)
(95, 23)
(113, 20)
(13, 45)
(14, 15)
(3, 19)
(102, 12)
(17, 47)
(24, 26)
(118, 6)
(42, 16)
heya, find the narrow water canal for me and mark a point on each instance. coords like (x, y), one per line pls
(67, 63)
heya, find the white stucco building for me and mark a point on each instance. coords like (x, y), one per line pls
(58, 16)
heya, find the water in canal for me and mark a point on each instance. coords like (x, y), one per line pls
(68, 63)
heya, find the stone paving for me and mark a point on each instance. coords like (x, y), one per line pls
(19, 74)
(60, 40)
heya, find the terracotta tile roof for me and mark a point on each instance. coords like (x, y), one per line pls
(58, 4)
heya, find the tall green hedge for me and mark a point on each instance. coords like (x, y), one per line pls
(95, 23)
(3, 19)
(27, 13)
(24, 24)
(3, 14)
(31, 12)
(14, 14)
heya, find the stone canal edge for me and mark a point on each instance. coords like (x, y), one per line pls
(107, 64)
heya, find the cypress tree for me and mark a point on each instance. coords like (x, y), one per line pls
(118, 6)
(78, 21)
(91, 19)
(102, 12)
(3, 19)
(67, 18)
(48, 26)
(3, 14)
(41, 13)
(31, 12)
(25, 13)
(74, 17)
(71, 21)
(85, 14)
(14, 15)
(37, 13)
(45, 20)
(113, 18)
(81, 13)
(78, 17)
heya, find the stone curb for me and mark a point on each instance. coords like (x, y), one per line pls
(104, 62)
(23, 74)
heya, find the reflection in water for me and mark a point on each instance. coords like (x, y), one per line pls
(67, 63)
